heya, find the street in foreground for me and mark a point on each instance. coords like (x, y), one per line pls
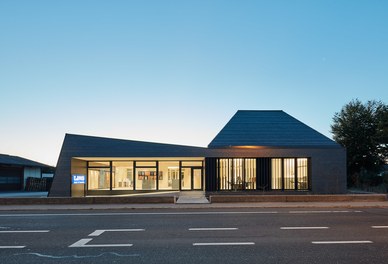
(196, 236)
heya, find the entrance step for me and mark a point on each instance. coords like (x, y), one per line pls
(192, 197)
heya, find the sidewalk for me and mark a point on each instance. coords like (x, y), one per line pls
(27, 201)
(46, 207)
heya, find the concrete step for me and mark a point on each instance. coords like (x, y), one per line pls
(192, 197)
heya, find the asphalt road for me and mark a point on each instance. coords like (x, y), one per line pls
(196, 236)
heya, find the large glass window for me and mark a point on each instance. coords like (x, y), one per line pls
(139, 175)
(168, 175)
(99, 175)
(122, 175)
(289, 174)
(99, 178)
(146, 178)
(236, 174)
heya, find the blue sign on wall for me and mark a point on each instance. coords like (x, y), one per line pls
(78, 179)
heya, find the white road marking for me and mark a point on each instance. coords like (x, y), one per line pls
(25, 231)
(83, 243)
(7, 247)
(99, 232)
(225, 244)
(20, 231)
(379, 226)
(121, 214)
(303, 227)
(321, 212)
(213, 229)
(343, 242)
(78, 256)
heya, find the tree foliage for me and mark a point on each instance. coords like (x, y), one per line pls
(363, 130)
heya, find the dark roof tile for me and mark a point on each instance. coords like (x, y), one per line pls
(270, 129)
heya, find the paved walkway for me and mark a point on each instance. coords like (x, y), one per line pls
(193, 206)
(22, 194)
(186, 205)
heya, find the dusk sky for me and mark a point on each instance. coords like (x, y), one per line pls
(176, 71)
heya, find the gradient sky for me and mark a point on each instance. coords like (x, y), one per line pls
(176, 71)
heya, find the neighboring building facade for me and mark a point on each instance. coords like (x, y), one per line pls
(256, 151)
(14, 172)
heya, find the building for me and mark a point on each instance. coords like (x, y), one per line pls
(15, 171)
(256, 151)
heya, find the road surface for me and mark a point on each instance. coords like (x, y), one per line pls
(196, 236)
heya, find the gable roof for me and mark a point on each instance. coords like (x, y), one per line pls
(273, 128)
(18, 161)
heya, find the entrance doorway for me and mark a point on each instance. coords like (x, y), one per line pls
(191, 178)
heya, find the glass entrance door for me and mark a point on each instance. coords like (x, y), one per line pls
(197, 178)
(191, 178)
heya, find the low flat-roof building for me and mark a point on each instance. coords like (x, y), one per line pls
(256, 150)
(14, 172)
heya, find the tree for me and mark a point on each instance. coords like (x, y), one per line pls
(363, 130)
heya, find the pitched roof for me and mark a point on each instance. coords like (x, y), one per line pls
(18, 161)
(270, 129)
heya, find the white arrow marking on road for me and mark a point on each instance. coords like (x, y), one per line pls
(213, 229)
(303, 227)
(342, 242)
(83, 243)
(225, 244)
(379, 226)
(100, 231)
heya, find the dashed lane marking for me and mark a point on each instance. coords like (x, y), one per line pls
(225, 244)
(8, 247)
(342, 242)
(322, 212)
(303, 227)
(214, 229)
(24, 231)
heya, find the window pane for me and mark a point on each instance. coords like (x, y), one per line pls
(98, 178)
(186, 179)
(302, 174)
(145, 164)
(250, 174)
(169, 175)
(98, 164)
(225, 173)
(122, 175)
(276, 171)
(237, 179)
(197, 179)
(146, 179)
(191, 163)
(289, 174)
